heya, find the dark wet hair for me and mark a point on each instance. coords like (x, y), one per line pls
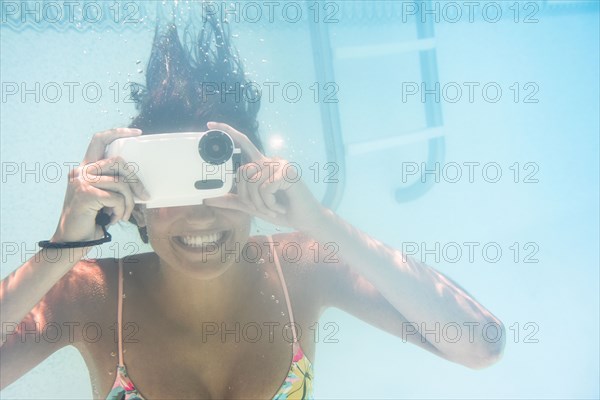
(190, 84)
(198, 81)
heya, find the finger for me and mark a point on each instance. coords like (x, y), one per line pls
(254, 191)
(267, 192)
(243, 176)
(107, 183)
(100, 140)
(280, 183)
(240, 140)
(121, 170)
(115, 212)
(114, 202)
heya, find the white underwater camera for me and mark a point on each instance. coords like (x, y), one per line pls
(180, 169)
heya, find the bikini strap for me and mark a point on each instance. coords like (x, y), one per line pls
(120, 313)
(285, 291)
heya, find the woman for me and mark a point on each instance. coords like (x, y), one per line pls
(189, 323)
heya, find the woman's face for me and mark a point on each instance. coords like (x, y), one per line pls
(200, 241)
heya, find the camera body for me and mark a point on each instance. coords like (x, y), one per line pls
(179, 169)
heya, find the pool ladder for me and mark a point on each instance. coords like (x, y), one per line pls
(335, 149)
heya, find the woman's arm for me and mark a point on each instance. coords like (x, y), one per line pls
(47, 290)
(31, 333)
(426, 300)
(86, 195)
(28, 284)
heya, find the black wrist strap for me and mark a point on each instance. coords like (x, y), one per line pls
(102, 219)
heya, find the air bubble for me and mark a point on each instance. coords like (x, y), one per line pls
(273, 296)
(138, 61)
(276, 301)
(139, 71)
(124, 295)
(113, 354)
(261, 261)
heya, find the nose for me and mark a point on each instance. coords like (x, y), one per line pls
(200, 215)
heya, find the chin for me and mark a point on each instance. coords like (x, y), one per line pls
(202, 255)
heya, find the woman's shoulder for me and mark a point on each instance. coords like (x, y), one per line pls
(297, 253)
(93, 282)
(90, 280)
(83, 291)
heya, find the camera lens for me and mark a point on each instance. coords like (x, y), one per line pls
(215, 147)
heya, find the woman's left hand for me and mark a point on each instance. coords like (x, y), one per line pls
(269, 188)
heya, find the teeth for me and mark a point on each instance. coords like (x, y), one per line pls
(199, 241)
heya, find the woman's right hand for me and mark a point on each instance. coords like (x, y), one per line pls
(95, 184)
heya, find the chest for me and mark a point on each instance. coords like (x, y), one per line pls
(242, 357)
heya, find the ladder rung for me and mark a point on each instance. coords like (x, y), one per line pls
(353, 149)
(353, 52)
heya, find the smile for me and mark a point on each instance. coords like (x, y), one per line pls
(208, 241)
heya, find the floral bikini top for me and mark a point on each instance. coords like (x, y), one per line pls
(297, 385)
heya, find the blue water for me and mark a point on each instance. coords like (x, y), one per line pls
(550, 307)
